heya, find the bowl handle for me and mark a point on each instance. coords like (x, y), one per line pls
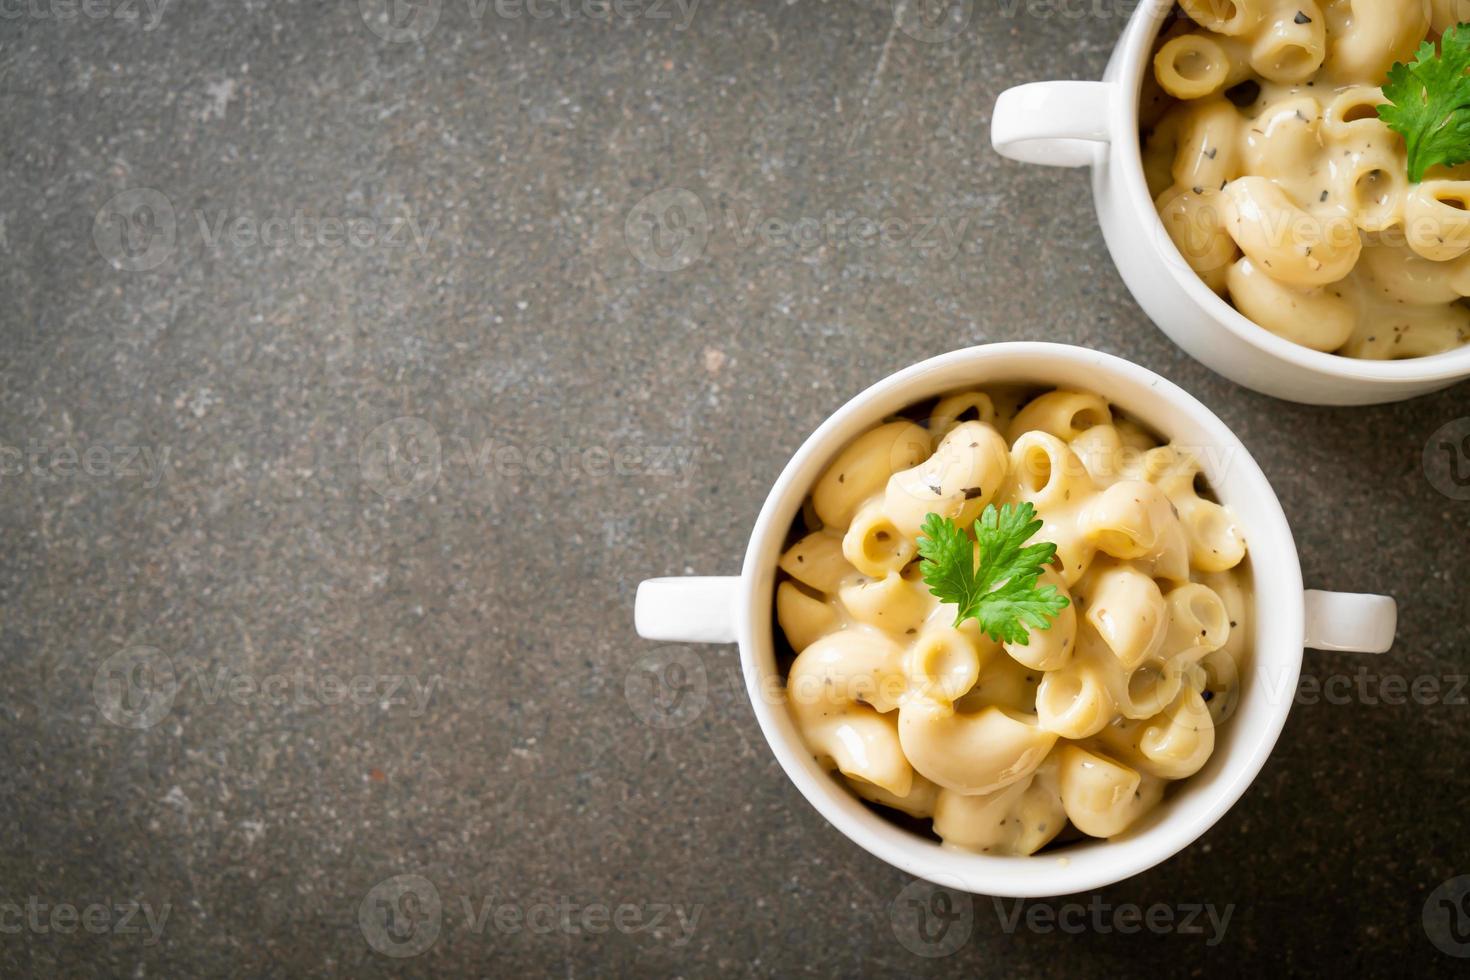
(1058, 124)
(1350, 621)
(696, 609)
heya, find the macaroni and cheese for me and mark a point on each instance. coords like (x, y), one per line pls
(1003, 745)
(1286, 192)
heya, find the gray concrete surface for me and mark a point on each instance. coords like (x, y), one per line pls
(258, 676)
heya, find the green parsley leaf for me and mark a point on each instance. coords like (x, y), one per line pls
(1429, 103)
(999, 591)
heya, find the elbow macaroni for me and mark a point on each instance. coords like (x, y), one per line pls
(1283, 190)
(1003, 746)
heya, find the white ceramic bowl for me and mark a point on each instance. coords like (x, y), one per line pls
(739, 609)
(1073, 124)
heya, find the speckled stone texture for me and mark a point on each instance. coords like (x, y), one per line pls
(344, 680)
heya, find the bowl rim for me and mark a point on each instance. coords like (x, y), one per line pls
(1132, 61)
(1084, 866)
